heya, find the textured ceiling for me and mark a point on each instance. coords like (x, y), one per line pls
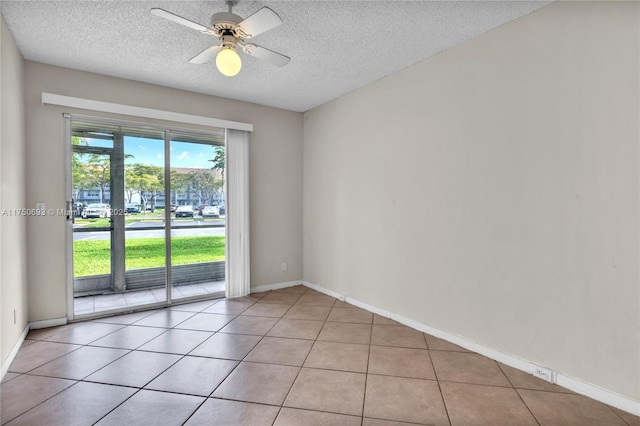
(335, 46)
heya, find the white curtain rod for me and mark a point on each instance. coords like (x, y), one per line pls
(89, 104)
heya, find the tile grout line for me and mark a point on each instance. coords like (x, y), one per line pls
(118, 405)
(228, 374)
(53, 359)
(435, 372)
(262, 336)
(619, 416)
(136, 349)
(166, 329)
(246, 355)
(238, 361)
(42, 402)
(141, 387)
(163, 371)
(303, 362)
(518, 393)
(366, 375)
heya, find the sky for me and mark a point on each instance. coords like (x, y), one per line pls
(183, 154)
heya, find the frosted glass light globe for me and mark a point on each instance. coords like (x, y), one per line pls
(228, 62)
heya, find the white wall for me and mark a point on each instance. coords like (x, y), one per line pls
(13, 254)
(491, 192)
(275, 174)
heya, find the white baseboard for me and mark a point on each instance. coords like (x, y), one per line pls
(47, 323)
(14, 352)
(587, 389)
(599, 394)
(326, 291)
(276, 286)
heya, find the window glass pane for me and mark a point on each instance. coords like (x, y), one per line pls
(198, 224)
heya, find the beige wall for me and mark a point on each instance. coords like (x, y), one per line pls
(492, 192)
(13, 254)
(275, 174)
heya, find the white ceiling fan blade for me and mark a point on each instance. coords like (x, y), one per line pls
(265, 54)
(179, 19)
(261, 21)
(206, 55)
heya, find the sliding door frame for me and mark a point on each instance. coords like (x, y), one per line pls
(68, 152)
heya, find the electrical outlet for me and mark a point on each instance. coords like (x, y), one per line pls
(544, 374)
(283, 266)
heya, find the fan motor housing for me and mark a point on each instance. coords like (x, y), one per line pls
(223, 22)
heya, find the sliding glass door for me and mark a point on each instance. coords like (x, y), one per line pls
(144, 218)
(198, 227)
(148, 222)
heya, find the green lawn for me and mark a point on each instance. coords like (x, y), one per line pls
(93, 257)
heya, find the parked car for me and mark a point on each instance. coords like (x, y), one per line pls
(173, 208)
(222, 210)
(184, 211)
(97, 211)
(78, 208)
(132, 208)
(210, 211)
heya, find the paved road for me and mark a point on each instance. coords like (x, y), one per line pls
(151, 233)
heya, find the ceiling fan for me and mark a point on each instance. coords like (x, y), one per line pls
(232, 31)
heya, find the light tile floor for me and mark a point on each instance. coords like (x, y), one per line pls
(131, 299)
(286, 357)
